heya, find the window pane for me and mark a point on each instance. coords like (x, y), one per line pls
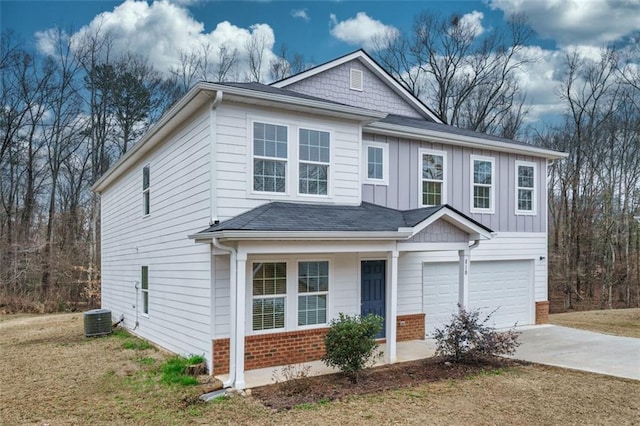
(525, 199)
(314, 146)
(269, 140)
(482, 197)
(482, 172)
(431, 193)
(146, 202)
(313, 179)
(268, 175)
(432, 167)
(145, 277)
(145, 177)
(269, 278)
(525, 176)
(374, 160)
(268, 313)
(312, 309)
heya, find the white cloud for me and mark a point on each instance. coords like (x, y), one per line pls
(162, 29)
(300, 14)
(473, 21)
(573, 22)
(361, 30)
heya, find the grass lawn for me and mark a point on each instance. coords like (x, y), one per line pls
(50, 373)
(619, 322)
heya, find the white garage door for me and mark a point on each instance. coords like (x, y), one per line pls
(503, 286)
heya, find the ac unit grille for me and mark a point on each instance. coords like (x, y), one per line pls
(97, 322)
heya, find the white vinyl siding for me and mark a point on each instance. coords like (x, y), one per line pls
(525, 188)
(179, 270)
(482, 184)
(433, 177)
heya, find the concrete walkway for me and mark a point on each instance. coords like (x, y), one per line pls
(580, 350)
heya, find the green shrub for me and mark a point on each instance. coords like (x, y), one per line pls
(351, 343)
(467, 338)
(173, 372)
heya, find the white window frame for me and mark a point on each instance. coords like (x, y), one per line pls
(286, 161)
(313, 293)
(492, 187)
(443, 154)
(385, 163)
(319, 163)
(146, 192)
(285, 296)
(144, 292)
(534, 189)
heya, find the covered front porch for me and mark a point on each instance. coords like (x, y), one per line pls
(292, 268)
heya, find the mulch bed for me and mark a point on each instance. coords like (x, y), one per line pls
(317, 389)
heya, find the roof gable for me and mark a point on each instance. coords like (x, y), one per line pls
(390, 92)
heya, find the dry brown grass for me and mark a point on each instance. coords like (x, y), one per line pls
(50, 373)
(619, 322)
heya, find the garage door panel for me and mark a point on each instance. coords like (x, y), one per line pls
(503, 286)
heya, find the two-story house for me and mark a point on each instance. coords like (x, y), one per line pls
(250, 215)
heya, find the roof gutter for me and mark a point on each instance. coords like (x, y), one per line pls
(396, 130)
(302, 235)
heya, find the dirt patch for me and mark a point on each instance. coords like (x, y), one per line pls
(618, 322)
(330, 387)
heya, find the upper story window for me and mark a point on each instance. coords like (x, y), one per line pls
(525, 187)
(313, 289)
(483, 184)
(433, 174)
(269, 295)
(376, 167)
(146, 194)
(314, 155)
(269, 157)
(144, 280)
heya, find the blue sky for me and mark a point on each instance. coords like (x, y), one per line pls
(323, 30)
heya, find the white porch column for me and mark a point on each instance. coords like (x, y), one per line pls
(392, 308)
(463, 283)
(241, 268)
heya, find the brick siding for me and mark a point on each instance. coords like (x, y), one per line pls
(542, 312)
(221, 355)
(413, 328)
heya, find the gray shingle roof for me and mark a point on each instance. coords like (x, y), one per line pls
(283, 217)
(445, 128)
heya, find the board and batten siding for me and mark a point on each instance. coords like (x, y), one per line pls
(234, 138)
(402, 192)
(334, 85)
(179, 269)
(504, 246)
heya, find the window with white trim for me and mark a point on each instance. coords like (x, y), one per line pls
(313, 290)
(269, 289)
(269, 157)
(483, 184)
(146, 192)
(144, 288)
(525, 187)
(314, 154)
(433, 173)
(376, 163)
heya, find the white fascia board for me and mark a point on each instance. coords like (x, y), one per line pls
(372, 66)
(302, 235)
(460, 222)
(460, 140)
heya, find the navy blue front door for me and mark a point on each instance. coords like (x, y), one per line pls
(373, 273)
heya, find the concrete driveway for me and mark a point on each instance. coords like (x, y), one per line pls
(580, 350)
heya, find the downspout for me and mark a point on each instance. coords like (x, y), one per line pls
(233, 292)
(475, 244)
(213, 161)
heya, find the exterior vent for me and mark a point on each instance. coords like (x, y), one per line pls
(97, 322)
(355, 79)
